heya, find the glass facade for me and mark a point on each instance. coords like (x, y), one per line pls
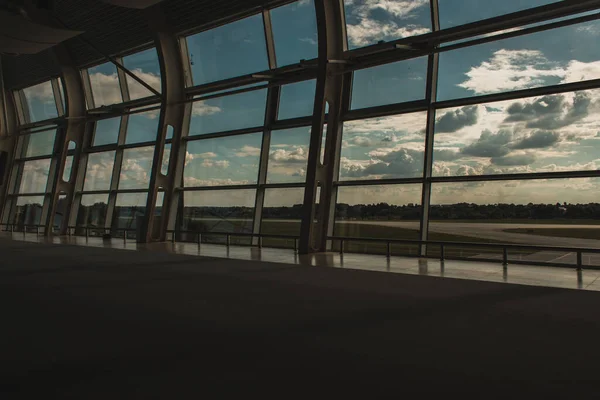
(445, 132)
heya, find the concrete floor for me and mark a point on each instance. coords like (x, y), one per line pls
(563, 277)
(96, 323)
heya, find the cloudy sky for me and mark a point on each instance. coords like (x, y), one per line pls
(548, 133)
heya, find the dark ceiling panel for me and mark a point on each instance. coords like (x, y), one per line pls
(116, 30)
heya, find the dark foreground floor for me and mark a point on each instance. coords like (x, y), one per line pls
(89, 323)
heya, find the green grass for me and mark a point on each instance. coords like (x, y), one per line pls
(365, 230)
(588, 233)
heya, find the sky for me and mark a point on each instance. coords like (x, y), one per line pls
(547, 133)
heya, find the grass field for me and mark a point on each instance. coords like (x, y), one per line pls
(588, 233)
(365, 230)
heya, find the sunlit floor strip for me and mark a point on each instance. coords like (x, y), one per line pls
(532, 275)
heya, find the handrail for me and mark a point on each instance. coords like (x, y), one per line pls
(443, 245)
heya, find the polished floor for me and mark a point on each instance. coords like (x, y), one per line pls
(104, 323)
(567, 277)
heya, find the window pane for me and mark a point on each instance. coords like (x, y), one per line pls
(28, 210)
(68, 167)
(39, 144)
(386, 212)
(142, 127)
(229, 160)
(391, 83)
(145, 66)
(545, 133)
(229, 211)
(35, 176)
(546, 212)
(105, 84)
(288, 155)
(136, 168)
(228, 51)
(281, 215)
(99, 171)
(245, 110)
(563, 55)
(297, 99)
(129, 209)
(384, 148)
(92, 212)
(107, 131)
(368, 22)
(40, 102)
(454, 13)
(295, 32)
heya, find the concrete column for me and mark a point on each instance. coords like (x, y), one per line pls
(330, 83)
(171, 119)
(73, 130)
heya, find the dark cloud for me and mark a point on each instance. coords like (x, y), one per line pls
(402, 163)
(548, 112)
(489, 145)
(445, 155)
(515, 160)
(552, 104)
(538, 140)
(452, 121)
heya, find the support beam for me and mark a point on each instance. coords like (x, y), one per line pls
(8, 144)
(172, 118)
(430, 97)
(320, 175)
(73, 131)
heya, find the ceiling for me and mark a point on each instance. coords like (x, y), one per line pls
(115, 30)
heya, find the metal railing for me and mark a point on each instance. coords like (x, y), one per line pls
(228, 235)
(24, 228)
(441, 246)
(505, 247)
(71, 231)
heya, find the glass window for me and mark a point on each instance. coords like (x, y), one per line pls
(40, 102)
(384, 148)
(129, 209)
(107, 131)
(104, 81)
(39, 144)
(454, 13)
(383, 211)
(244, 110)
(164, 168)
(228, 51)
(295, 32)
(28, 210)
(288, 155)
(537, 134)
(145, 66)
(297, 99)
(560, 212)
(230, 211)
(68, 167)
(282, 212)
(35, 176)
(231, 160)
(142, 127)
(92, 212)
(390, 83)
(562, 55)
(368, 22)
(136, 168)
(98, 174)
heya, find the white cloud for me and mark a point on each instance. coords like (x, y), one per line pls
(215, 163)
(511, 70)
(248, 151)
(367, 30)
(200, 108)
